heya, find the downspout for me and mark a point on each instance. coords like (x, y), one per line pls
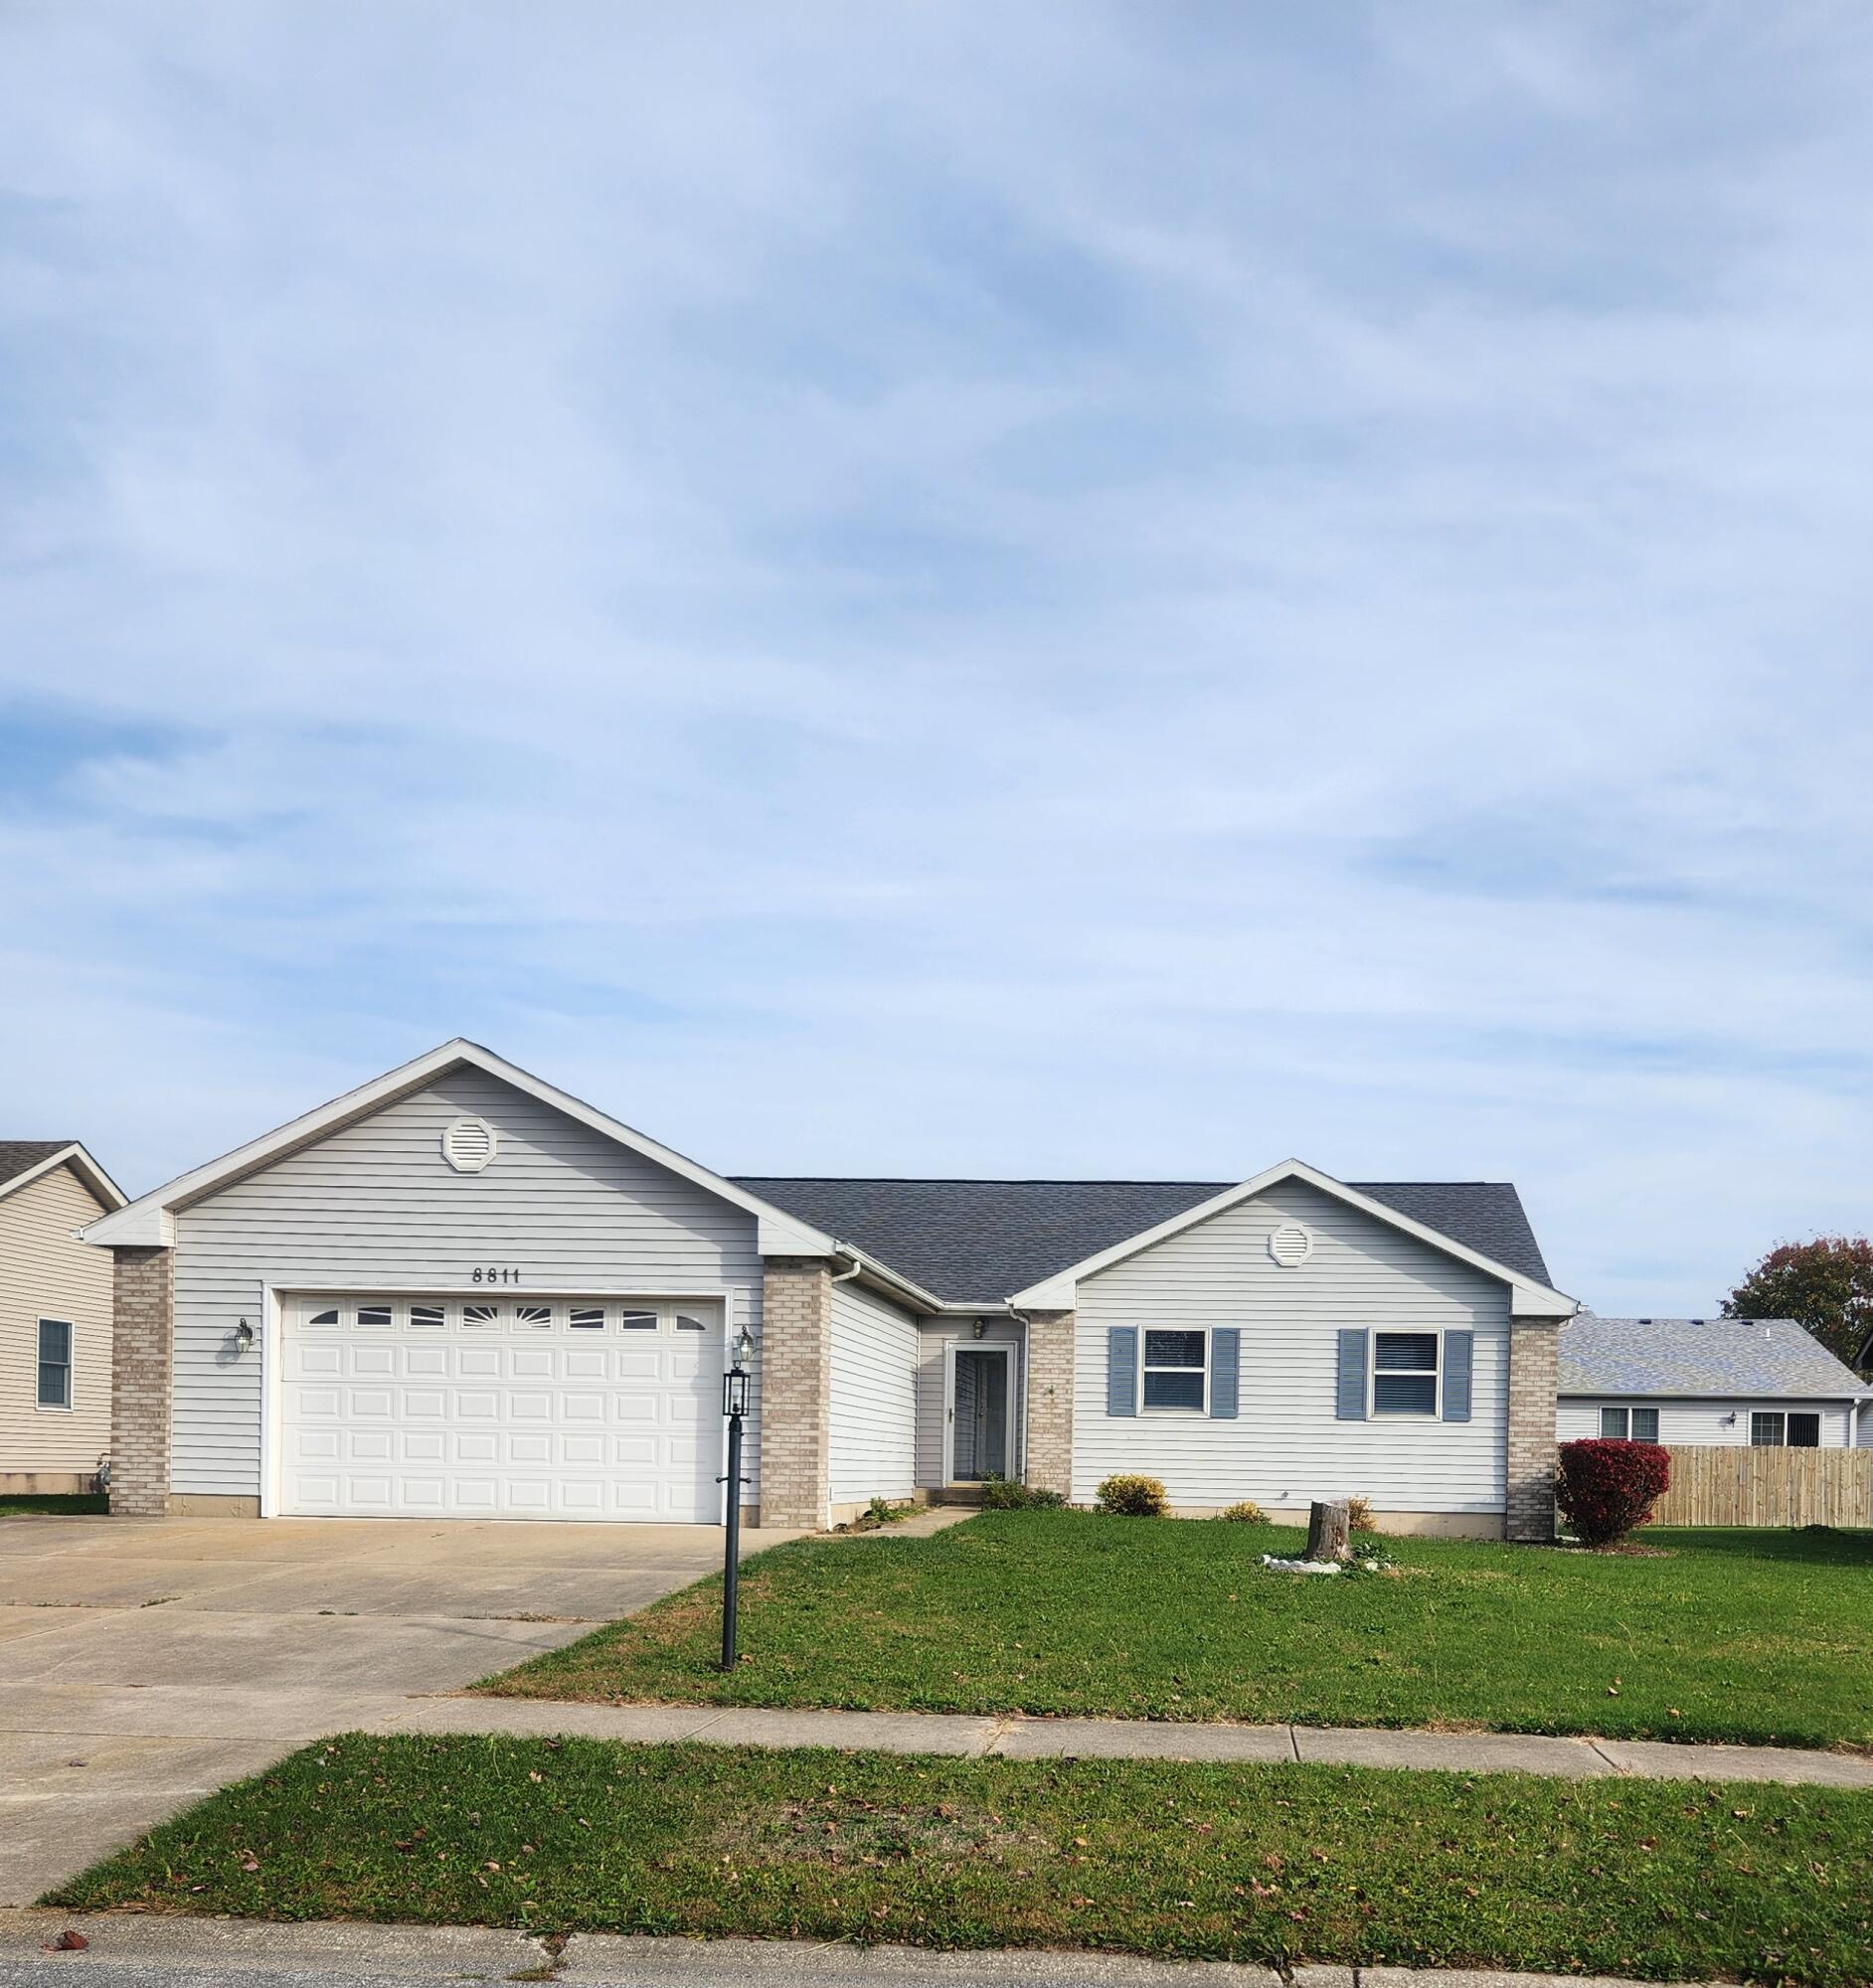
(1021, 1463)
(846, 1276)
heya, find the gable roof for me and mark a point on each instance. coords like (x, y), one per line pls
(1698, 1356)
(23, 1160)
(976, 1240)
(149, 1220)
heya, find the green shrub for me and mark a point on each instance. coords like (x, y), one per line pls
(882, 1512)
(1245, 1512)
(1003, 1494)
(1134, 1497)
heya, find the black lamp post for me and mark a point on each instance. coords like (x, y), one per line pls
(735, 1406)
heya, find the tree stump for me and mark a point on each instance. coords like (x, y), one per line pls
(1327, 1528)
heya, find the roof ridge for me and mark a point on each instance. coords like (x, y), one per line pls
(1075, 1180)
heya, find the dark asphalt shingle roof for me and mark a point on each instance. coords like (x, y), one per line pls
(1697, 1356)
(19, 1156)
(974, 1241)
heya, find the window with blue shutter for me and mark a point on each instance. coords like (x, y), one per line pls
(1122, 1370)
(1225, 1368)
(1350, 1392)
(1458, 1360)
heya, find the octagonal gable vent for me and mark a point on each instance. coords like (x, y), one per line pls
(468, 1145)
(1291, 1244)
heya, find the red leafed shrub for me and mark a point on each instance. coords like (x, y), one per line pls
(1606, 1488)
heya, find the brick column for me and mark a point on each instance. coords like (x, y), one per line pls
(142, 1362)
(1534, 1390)
(797, 1392)
(1050, 1401)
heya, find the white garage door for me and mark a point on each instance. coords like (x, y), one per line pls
(506, 1407)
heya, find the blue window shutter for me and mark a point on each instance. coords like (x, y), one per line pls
(1122, 1370)
(1225, 1365)
(1350, 1399)
(1457, 1350)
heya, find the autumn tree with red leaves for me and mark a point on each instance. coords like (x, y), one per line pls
(1826, 1285)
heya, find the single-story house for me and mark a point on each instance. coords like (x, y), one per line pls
(1764, 1382)
(460, 1291)
(55, 1317)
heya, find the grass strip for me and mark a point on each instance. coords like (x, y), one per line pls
(1276, 1864)
(1757, 1637)
(69, 1504)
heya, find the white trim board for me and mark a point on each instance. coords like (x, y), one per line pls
(1527, 1299)
(149, 1221)
(87, 1170)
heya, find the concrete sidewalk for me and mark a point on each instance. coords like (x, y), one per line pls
(128, 1952)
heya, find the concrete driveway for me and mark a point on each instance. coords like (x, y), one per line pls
(144, 1662)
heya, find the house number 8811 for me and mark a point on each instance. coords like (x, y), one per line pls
(494, 1277)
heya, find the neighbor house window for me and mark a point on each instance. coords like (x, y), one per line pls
(1173, 1376)
(55, 1363)
(1404, 1372)
(1771, 1428)
(1629, 1424)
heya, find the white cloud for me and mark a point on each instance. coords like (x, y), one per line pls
(1083, 591)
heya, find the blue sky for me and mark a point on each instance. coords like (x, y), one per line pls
(942, 588)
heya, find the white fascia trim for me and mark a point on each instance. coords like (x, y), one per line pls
(81, 1162)
(149, 1221)
(882, 1278)
(1527, 1299)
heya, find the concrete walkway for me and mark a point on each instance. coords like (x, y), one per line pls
(1126, 1739)
(128, 1952)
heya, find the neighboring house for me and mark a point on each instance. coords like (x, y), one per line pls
(458, 1291)
(1764, 1382)
(55, 1317)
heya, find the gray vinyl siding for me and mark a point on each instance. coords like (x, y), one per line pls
(1698, 1423)
(873, 1423)
(1285, 1446)
(375, 1206)
(931, 1432)
(45, 1274)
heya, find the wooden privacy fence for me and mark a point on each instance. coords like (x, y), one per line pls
(1738, 1486)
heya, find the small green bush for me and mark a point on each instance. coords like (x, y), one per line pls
(1245, 1512)
(1003, 1494)
(1134, 1497)
(882, 1512)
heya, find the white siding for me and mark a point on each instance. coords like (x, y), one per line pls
(1285, 1446)
(45, 1274)
(931, 1429)
(376, 1208)
(1696, 1422)
(874, 1396)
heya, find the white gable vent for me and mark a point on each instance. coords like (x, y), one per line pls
(1291, 1244)
(468, 1145)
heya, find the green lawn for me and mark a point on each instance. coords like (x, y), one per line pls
(1265, 1864)
(65, 1503)
(1762, 1636)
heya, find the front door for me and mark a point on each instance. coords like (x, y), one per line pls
(978, 1424)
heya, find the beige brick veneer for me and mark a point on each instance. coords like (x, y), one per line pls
(797, 1392)
(142, 1361)
(1534, 1387)
(1050, 1401)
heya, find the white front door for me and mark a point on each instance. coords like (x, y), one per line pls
(980, 1440)
(501, 1407)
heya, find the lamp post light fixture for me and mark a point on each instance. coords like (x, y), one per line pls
(734, 1406)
